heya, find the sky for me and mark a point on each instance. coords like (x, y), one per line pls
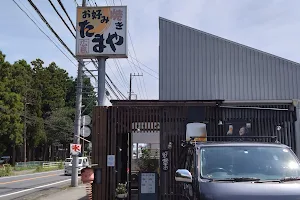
(270, 25)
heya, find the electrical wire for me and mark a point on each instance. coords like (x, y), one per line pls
(142, 64)
(119, 69)
(144, 70)
(67, 26)
(62, 19)
(138, 64)
(115, 87)
(44, 33)
(109, 86)
(108, 77)
(136, 57)
(120, 72)
(63, 7)
(132, 68)
(115, 76)
(53, 31)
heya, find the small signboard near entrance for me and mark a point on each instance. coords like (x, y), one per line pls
(75, 149)
(148, 186)
(111, 160)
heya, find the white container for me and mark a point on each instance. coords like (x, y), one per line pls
(196, 130)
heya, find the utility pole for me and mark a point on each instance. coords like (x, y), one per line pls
(130, 83)
(25, 135)
(76, 140)
(101, 80)
(130, 136)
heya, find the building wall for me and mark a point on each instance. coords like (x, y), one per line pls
(194, 65)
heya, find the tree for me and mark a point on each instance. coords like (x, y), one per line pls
(88, 95)
(11, 106)
(43, 99)
(60, 125)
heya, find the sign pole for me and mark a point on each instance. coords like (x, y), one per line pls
(101, 81)
(76, 140)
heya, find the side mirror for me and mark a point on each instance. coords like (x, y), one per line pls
(183, 175)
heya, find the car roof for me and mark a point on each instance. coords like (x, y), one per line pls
(254, 144)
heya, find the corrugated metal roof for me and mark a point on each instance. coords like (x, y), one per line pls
(195, 65)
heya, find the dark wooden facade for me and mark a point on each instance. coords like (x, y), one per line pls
(110, 123)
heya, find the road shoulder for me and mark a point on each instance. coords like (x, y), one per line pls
(74, 193)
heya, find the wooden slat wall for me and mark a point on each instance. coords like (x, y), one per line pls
(108, 122)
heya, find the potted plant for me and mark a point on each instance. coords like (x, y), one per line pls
(121, 191)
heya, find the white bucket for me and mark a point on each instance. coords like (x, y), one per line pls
(196, 130)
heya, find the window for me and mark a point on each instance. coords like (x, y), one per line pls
(265, 163)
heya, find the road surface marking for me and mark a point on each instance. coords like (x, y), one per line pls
(6, 177)
(27, 179)
(38, 187)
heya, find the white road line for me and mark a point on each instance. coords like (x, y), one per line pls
(38, 187)
(31, 174)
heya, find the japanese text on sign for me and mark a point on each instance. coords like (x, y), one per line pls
(101, 31)
(165, 160)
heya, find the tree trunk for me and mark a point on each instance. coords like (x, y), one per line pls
(13, 155)
(29, 154)
(44, 152)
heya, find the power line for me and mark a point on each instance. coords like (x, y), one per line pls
(120, 82)
(142, 63)
(108, 77)
(115, 87)
(73, 34)
(53, 31)
(141, 91)
(62, 19)
(44, 33)
(144, 71)
(136, 57)
(109, 86)
(63, 7)
(50, 27)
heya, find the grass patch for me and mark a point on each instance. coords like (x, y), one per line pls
(41, 169)
(22, 168)
(6, 170)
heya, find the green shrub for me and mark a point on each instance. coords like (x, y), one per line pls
(61, 165)
(146, 163)
(39, 169)
(6, 170)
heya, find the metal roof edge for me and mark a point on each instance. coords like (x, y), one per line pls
(227, 40)
(165, 102)
(260, 102)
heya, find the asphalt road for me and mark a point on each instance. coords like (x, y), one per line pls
(20, 187)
